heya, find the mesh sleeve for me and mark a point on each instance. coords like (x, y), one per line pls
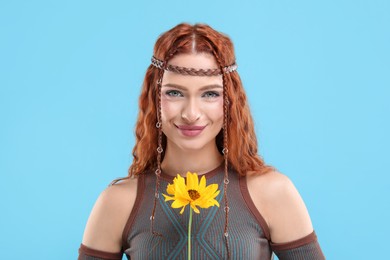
(306, 248)
(86, 253)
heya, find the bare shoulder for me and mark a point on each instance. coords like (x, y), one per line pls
(109, 216)
(281, 205)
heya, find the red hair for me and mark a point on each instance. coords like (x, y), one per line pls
(241, 139)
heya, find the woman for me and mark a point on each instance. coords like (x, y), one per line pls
(194, 117)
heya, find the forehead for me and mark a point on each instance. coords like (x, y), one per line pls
(190, 81)
(196, 61)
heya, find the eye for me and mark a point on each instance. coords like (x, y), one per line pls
(211, 94)
(173, 93)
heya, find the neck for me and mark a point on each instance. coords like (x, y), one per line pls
(176, 161)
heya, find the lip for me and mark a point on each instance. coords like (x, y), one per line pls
(190, 130)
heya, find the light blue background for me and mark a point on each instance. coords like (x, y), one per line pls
(316, 74)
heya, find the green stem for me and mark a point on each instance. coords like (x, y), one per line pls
(189, 234)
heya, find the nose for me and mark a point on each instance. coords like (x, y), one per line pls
(191, 111)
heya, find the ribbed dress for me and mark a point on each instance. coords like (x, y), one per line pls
(248, 237)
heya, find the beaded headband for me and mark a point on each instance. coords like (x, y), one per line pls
(191, 71)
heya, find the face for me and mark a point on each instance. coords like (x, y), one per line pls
(192, 106)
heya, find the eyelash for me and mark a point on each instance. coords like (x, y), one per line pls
(176, 93)
(173, 93)
(212, 93)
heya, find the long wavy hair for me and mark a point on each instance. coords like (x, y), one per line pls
(241, 138)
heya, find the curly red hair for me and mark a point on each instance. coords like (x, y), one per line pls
(241, 139)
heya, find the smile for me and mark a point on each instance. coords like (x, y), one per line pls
(190, 130)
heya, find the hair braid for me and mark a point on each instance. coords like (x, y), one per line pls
(159, 151)
(160, 148)
(225, 152)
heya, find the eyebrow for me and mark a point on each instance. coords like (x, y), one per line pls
(212, 86)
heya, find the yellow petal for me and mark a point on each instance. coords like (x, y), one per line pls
(207, 203)
(181, 190)
(189, 181)
(196, 210)
(177, 203)
(171, 189)
(211, 191)
(212, 203)
(215, 203)
(192, 181)
(207, 199)
(202, 184)
(178, 181)
(204, 204)
(167, 198)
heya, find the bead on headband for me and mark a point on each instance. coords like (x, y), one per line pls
(191, 71)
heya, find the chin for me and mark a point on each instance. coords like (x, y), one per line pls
(193, 146)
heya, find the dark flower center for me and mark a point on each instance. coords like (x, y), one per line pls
(194, 194)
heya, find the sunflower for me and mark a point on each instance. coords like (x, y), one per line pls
(195, 193)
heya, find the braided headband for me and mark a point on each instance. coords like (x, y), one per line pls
(193, 72)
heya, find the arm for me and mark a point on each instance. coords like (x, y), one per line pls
(103, 233)
(285, 213)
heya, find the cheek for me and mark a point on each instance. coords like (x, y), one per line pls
(167, 110)
(216, 112)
